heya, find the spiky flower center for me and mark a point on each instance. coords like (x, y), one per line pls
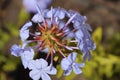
(51, 38)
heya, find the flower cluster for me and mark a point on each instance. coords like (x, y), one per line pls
(57, 32)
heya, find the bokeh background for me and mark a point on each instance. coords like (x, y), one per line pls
(104, 18)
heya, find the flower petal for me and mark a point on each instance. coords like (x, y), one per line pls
(26, 26)
(31, 64)
(51, 70)
(65, 64)
(35, 74)
(30, 5)
(15, 50)
(45, 76)
(80, 64)
(67, 72)
(43, 63)
(76, 69)
(37, 18)
(60, 13)
(79, 34)
(26, 56)
(24, 32)
(37, 64)
(72, 57)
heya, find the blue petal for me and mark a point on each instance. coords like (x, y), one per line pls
(51, 70)
(79, 34)
(26, 26)
(24, 32)
(60, 13)
(56, 12)
(37, 18)
(43, 63)
(35, 74)
(16, 50)
(76, 69)
(70, 35)
(65, 64)
(30, 6)
(38, 64)
(86, 54)
(43, 4)
(26, 56)
(24, 35)
(31, 64)
(72, 57)
(67, 72)
(45, 76)
(80, 64)
(61, 24)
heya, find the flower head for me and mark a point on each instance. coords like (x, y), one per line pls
(69, 63)
(57, 32)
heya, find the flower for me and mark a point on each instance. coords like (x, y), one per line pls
(26, 54)
(24, 32)
(40, 69)
(15, 50)
(57, 32)
(69, 63)
(85, 43)
(30, 5)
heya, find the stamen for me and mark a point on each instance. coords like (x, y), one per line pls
(69, 21)
(69, 48)
(33, 34)
(56, 40)
(74, 41)
(61, 53)
(51, 58)
(40, 27)
(75, 48)
(40, 12)
(52, 14)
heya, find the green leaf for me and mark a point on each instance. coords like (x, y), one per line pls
(23, 16)
(59, 71)
(9, 66)
(97, 35)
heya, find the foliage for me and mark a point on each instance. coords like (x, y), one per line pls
(9, 63)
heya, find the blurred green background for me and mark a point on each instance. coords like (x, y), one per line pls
(104, 18)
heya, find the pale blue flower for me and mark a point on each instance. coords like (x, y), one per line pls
(30, 5)
(16, 50)
(24, 32)
(69, 63)
(26, 56)
(85, 43)
(54, 31)
(40, 69)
